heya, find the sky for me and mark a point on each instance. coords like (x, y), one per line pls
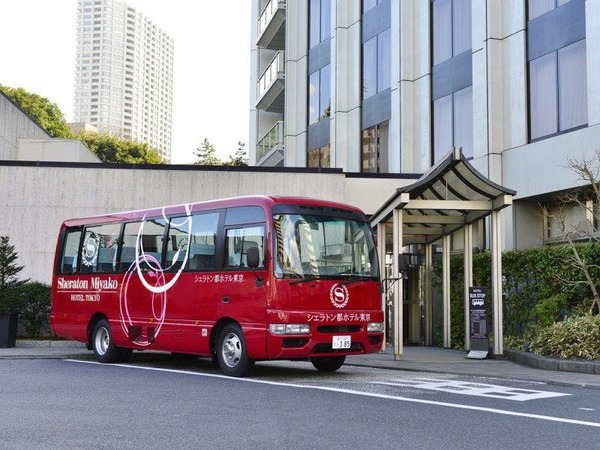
(211, 68)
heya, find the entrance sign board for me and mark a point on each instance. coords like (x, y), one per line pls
(478, 322)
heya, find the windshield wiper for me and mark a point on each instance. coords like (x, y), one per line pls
(356, 279)
(306, 278)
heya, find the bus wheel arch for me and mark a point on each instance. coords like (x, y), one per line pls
(231, 350)
(102, 343)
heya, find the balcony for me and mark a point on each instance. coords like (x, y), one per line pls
(271, 26)
(271, 86)
(269, 151)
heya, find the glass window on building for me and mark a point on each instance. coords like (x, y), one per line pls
(452, 108)
(374, 149)
(538, 7)
(319, 94)
(377, 69)
(368, 4)
(452, 29)
(453, 123)
(557, 76)
(319, 158)
(319, 21)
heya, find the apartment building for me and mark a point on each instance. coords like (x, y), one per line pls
(124, 74)
(391, 86)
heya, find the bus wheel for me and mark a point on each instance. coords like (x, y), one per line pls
(104, 348)
(328, 364)
(232, 353)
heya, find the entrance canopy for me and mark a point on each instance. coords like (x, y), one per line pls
(450, 197)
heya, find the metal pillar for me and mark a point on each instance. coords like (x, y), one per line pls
(468, 275)
(428, 295)
(446, 288)
(381, 253)
(496, 245)
(398, 287)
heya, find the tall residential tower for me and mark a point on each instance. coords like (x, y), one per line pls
(124, 74)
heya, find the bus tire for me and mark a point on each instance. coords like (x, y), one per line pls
(328, 363)
(232, 353)
(103, 346)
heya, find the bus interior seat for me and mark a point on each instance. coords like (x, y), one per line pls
(69, 264)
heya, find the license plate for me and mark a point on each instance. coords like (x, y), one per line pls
(341, 342)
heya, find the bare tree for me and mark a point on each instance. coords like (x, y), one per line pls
(587, 201)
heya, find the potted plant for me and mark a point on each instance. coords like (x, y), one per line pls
(10, 300)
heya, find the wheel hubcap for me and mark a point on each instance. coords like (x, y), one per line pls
(102, 341)
(231, 350)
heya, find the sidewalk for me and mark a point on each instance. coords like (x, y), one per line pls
(438, 360)
(414, 359)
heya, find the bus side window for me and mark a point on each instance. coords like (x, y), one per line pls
(196, 236)
(99, 250)
(68, 262)
(148, 237)
(237, 243)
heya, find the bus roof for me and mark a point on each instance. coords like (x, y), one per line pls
(264, 201)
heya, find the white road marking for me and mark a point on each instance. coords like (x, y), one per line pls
(474, 389)
(352, 392)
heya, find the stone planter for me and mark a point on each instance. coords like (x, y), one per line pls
(8, 329)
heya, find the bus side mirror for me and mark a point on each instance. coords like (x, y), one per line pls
(252, 257)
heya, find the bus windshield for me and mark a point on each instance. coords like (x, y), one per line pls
(315, 246)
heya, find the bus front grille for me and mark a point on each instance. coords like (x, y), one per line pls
(338, 328)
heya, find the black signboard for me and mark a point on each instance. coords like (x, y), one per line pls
(478, 318)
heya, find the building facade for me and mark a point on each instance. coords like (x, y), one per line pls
(124, 74)
(391, 86)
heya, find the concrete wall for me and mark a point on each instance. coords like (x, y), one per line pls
(15, 124)
(55, 150)
(38, 197)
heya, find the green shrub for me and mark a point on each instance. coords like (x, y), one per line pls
(540, 287)
(575, 337)
(516, 342)
(35, 313)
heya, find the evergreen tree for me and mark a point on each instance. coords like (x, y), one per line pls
(207, 154)
(109, 149)
(240, 158)
(47, 114)
(9, 281)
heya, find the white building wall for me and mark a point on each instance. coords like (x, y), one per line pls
(70, 150)
(15, 124)
(37, 199)
(345, 101)
(296, 83)
(592, 17)
(411, 71)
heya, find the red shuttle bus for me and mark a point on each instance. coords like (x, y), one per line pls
(238, 280)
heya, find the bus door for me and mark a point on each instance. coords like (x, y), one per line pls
(242, 282)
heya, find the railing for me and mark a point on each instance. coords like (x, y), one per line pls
(268, 13)
(270, 140)
(276, 67)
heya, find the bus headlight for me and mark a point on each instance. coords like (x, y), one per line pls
(375, 327)
(289, 328)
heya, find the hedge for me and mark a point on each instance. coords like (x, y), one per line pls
(540, 286)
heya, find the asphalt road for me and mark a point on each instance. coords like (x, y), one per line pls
(159, 403)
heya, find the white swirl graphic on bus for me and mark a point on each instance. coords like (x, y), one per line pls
(152, 276)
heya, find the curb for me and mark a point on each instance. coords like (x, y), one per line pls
(556, 364)
(48, 343)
